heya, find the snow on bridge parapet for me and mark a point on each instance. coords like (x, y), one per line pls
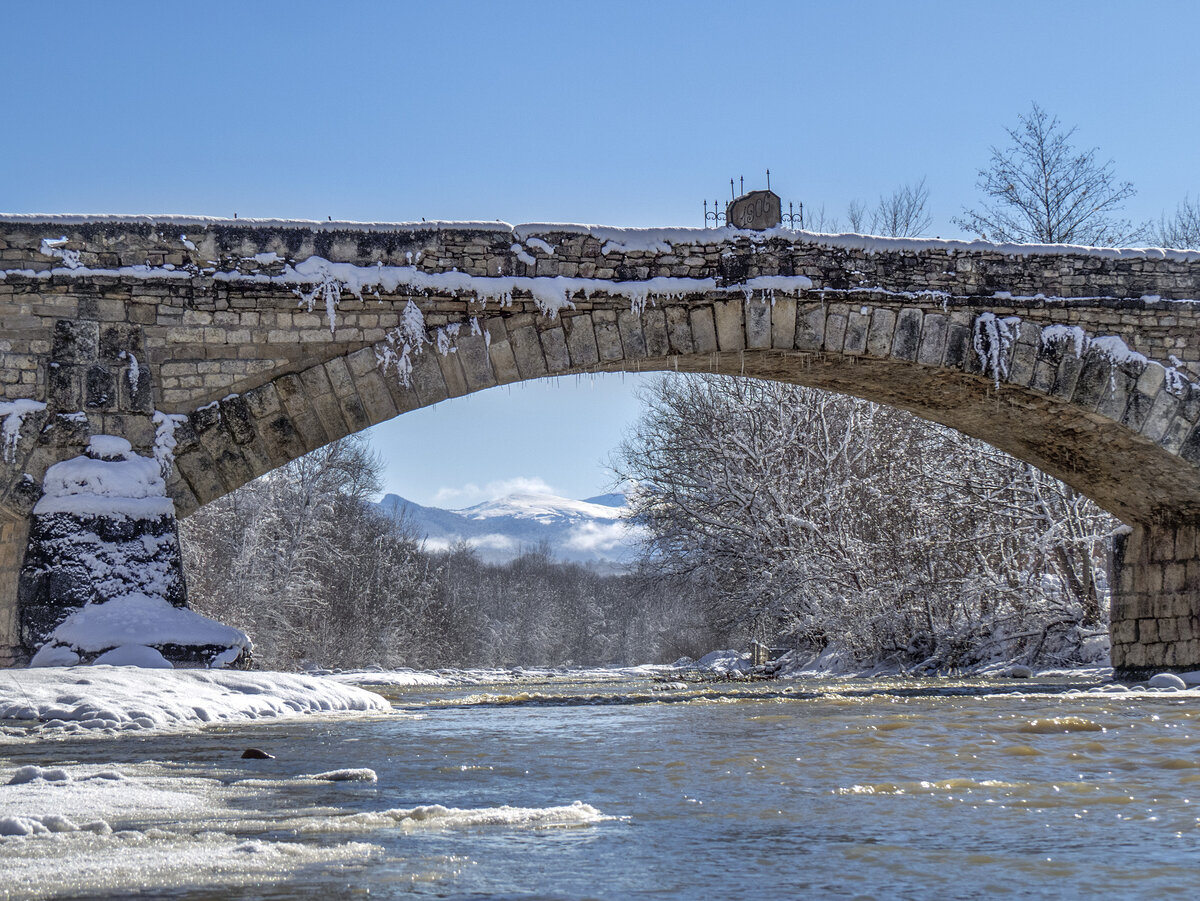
(175, 248)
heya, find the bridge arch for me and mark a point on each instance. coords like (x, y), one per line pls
(258, 342)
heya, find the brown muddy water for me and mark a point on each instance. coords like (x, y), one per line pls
(893, 788)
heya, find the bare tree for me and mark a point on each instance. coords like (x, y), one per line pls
(1040, 189)
(1183, 229)
(831, 523)
(901, 214)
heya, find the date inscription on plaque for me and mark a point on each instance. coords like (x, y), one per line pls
(757, 210)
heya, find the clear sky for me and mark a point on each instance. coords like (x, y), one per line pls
(615, 113)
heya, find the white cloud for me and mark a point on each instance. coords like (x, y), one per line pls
(471, 493)
(601, 536)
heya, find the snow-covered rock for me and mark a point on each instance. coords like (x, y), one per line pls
(1166, 680)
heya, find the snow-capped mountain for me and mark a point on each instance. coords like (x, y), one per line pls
(588, 531)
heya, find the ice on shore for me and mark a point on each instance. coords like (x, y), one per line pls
(105, 699)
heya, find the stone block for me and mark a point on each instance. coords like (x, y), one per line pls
(858, 324)
(1173, 577)
(837, 316)
(500, 351)
(119, 341)
(783, 323)
(960, 350)
(731, 330)
(427, 379)
(1159, 418)
(238, 419)
(679, 329)
(608, 336)
(76, 341)
(1066, 378)
(1190, 447)
(1124, 631)
(810, 328)
(475, 362)
(933, 339)
(200, 472)
(1096, 379)
(64, 386)
(339, 377)
(135, 393)
(1136, 409)
(1162, 543)
(758, 322)
(99, 388)
(527, 352)
(704, 330)
(281, 440)
(581, 340)
(263, 401)
(1021, 366)
(907, 338)
(879, 335)
(654, 330)
(632, 338)
(554, 348)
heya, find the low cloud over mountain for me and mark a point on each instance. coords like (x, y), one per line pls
(589, 531)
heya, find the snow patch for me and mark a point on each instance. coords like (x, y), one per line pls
(993, 342)
(130, 622)
(165, 425)
(12, 415)
(109, 480)
(120, 698)
(53, 247)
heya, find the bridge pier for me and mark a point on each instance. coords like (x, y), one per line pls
(14, 537)
(1155, 610)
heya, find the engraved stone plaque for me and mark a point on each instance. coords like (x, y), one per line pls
(757, 210)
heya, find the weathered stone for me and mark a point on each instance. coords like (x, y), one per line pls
(907, 338)
(810, 328)
(731, 330)
(758, 323)
(756, 210)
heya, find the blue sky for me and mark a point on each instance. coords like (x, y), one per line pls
(617, 113)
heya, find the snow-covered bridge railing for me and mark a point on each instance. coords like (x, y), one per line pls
(226, 348)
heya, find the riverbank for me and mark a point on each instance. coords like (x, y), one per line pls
(110, 700)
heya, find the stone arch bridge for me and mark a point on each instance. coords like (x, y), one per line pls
(234, 346)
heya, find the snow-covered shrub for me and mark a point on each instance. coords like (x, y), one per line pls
(791, 513)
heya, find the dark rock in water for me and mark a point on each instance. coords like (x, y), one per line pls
(256, 754)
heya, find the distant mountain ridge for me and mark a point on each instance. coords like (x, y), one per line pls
(592, 531)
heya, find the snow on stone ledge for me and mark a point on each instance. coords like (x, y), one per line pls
(134, 620)
(109, 480)
(101, 699)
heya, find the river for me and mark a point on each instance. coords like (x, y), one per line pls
(887, 788)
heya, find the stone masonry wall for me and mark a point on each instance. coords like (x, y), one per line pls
(1155, 617)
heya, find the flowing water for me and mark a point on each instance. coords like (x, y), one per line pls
(835, 788)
